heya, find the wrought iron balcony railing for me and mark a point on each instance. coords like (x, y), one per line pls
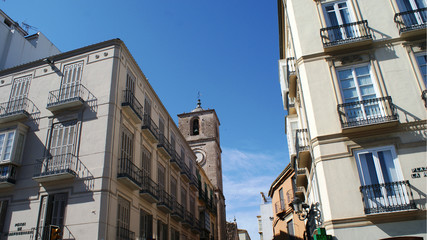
(411, 20)
(387, 197)
(165, 200)
(176, 159)
(125, 234)
(189, 218)
(148, 186)
(280, 207)
(367, 112)
(345, 33)
(178, 210)
(65, 164)
(165, 145)
(148, 123)
(8, 174)
(130, 100)
(128, 170)
(21, 106)
(302, 141)
(424, 97)
(185, 171)
(66, 95)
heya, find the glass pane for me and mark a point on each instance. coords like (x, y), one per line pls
(8, 147)
(423, 67)
(2, 136)
(345, 74)
(387, 166)
(350, 94)
(347, 83)
(369, 173)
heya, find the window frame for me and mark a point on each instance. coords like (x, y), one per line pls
(423, 75)
(17, 144)
(351, 12)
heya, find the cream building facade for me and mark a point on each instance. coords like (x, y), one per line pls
(87, 145)
(353, 82)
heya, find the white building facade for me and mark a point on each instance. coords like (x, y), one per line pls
(87, 145)
(353, 81)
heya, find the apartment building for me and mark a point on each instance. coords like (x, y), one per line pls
(86, 145)
(353, 82)
(286, 225)
(265, 219)
(19, 47)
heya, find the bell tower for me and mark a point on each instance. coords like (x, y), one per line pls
(201, 130)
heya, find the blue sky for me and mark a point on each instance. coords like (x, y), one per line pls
(226, 49)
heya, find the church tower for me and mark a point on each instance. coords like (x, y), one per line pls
(201, 130)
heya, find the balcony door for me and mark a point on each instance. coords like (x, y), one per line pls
(70, 84)
(379, 172)
(18, 93)
(415, 15)
(62, 146)
(123, 219)
(338, 16)
(52, 212)
(359, 91)
(130, 89)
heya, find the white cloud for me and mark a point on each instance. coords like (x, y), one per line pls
(245, 175)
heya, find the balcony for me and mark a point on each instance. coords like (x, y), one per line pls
(347, 35)
(193, 183)
(188, 220)
(424, 97)
(387, 197)
(287, 72)
(150, 129)
(131, 106)
(165, 203)
(149, 190)
(203, 196)
(300, 192)
(125, 234)
(178, 211)
(164, 147)
(302, 148)
(7, 175)
(59, 167)
(412, 23)
(302, 176)
(68, 98)
(185, 172)
(16, 110)
(196, 226)
(280, 208)
(367, 113)
(129, 174)
(176, 161)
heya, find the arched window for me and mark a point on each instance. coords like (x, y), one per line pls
(195, 127)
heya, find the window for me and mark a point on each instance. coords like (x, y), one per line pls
(173, 143)
(123, 218)
(174, 187)
(290, 228)
(357, 86)
(339, 14)
(192, 206)
(195, 127)
(63, 139)
(174, 234)
(52, 212)
(3, 210)
(413, 13)
(161, 125)
(421, 60)
(145, 225)
(147, 107)
(6, 143)
(184, 198)
(162, 230)
(146, 161)
(18, 93)
(161, 177)
(70, 83)
(282, 200)
(127, 145)
(381, 178)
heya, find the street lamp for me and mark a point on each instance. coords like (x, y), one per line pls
(300, 208)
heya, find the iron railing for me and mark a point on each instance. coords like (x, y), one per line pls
(424, 97)
(18, 106)
(149, 186)
(127, 169)
(59, 164)
(411, 20)
(8, 173)
(345, 33)
(367, 112)
(125, 234)
(302, 141)
(130, 100)
(387, 197)
(185, 170)
(189, 218)
(280, 207)
(175, 158)
(148, 123)
(178, 209)
(164, 143)
(43, 233)
(75, 92)
(165, 199)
